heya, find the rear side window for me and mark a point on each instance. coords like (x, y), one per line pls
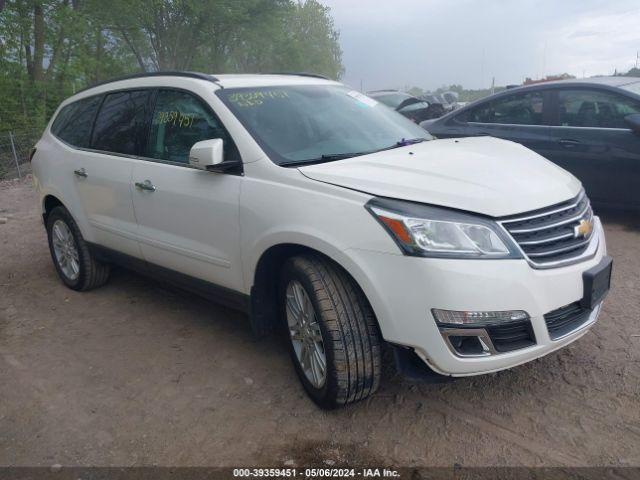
(592, 108)
(179, 121)
(73, 123)
(522, 109)
(121, 123)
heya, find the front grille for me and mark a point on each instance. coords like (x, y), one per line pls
(548, 236)
(566, 319)
(511, 336)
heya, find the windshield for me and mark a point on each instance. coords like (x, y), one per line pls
(632, 87)
(414, 106)
(300, 123)
(392, 100)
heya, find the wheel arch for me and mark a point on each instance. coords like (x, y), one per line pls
(266, 274)
(49, 202)
(52, 198)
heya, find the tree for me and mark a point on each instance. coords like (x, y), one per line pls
(48, 49)
(161, 34)
(51, 48)
(314, 42)
(227, 35)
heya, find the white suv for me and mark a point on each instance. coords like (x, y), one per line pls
(319, 210)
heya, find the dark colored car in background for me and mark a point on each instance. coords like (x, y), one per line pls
(438, 102)
(448, 100)
(589, 127)
(411, 107)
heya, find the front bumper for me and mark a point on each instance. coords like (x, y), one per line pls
(403, 290)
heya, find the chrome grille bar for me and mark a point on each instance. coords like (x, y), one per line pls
(574, 204)
(546, 240)
(560, 250)
(548, 226)
(551, 237)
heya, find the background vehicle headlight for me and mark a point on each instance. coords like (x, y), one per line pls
(438, 232)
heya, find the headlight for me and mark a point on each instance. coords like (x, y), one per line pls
(438, 232)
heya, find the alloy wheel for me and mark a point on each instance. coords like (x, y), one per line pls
(65, 250)
(305, 333)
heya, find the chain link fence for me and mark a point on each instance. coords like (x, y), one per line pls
(15, 149)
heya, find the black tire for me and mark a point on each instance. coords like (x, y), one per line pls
(350, 334)
(92, 274)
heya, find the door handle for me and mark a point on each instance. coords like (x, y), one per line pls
(567, 143)
(146, 185)
(80, 173)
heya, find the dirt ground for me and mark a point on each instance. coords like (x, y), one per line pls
(137, 374)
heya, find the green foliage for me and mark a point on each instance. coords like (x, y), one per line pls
(311, 42)
(228, 35)
(51, 48)
(470, 95)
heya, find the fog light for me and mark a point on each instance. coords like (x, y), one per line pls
(475, 319)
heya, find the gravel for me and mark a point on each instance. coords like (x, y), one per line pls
(136, 373)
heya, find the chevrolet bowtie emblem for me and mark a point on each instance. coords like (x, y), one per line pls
(584, 229)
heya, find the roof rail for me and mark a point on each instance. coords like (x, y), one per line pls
(299, 74)
(198, 75)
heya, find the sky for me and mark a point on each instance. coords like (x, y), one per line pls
(430, 43)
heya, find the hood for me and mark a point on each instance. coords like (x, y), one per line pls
(479, 174)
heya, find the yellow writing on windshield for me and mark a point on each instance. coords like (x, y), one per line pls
(251, 99)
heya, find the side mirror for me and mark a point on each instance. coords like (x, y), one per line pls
(633, 121)
(206, 154)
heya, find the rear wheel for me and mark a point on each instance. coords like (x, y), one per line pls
(76, 267)
(333, 336)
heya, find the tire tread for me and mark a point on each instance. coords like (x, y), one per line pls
(349, 319)
(93, 274)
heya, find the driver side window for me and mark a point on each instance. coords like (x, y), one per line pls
(179, 121)
(521, 109)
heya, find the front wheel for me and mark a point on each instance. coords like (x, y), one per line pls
(333, 335)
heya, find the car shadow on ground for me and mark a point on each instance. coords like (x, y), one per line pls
(232, 332)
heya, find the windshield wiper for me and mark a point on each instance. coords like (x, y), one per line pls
(402, 143)
(341, 156)
(410, 141)
(330, 157)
